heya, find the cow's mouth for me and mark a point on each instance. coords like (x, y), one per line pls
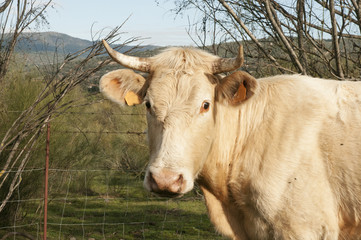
(167, 194)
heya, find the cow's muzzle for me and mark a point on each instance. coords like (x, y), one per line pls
(166, 183)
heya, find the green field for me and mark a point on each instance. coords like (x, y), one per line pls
(98, 155)
(113, 205)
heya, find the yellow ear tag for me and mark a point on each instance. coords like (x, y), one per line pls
(131, 98)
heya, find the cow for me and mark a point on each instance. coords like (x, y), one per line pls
(276, 157)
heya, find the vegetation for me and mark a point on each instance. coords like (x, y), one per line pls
(115, 206)
(303, 36)
(98, 151)
(97, 156)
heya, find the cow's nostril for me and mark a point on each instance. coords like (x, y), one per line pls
(180, 179)
(179, 182)
(153, 184)
(166, 182)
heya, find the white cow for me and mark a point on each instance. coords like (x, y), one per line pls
(276, 158)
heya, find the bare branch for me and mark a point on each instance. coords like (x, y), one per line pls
(18, 142)
(5, 5)
(25, 235)
(300, 30)
(276, 26)
(357, 6)
(27, 12)
(335, 42)
(302, 35)
(249, 33)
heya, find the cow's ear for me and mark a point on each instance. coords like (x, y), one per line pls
(123, 86)
(236, 88)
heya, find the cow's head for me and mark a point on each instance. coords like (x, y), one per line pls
(180, 93)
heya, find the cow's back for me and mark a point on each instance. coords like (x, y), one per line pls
(340, 141)
(334, 110)
(305, 155)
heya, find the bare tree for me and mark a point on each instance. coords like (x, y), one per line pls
(315, 37)
(19, 141)
(15, 17)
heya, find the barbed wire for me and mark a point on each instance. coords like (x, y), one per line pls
(67, 170)
(105, 132)
(99, 224)
(20, 226)
(64, 196)
(84, 113)
(94, 132)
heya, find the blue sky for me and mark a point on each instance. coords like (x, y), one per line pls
(147, 19)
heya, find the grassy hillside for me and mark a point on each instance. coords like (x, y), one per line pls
(58, 42)
(44, 48)
(50, 42)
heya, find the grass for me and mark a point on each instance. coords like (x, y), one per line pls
(104, 198)
(129, 219)
(114, 205)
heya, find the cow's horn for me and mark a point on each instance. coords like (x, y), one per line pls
(229, 64)
(136, 63)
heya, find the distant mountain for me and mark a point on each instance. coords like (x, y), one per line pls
(62, 43)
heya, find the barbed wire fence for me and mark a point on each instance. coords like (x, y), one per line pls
(95, 164)
(100, 203)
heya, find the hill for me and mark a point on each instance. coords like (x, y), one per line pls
(42, 48)
(57, 42)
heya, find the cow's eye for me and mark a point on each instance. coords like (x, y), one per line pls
(147, 104)
(205, 107)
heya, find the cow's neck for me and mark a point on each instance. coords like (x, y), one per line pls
(234, 126)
